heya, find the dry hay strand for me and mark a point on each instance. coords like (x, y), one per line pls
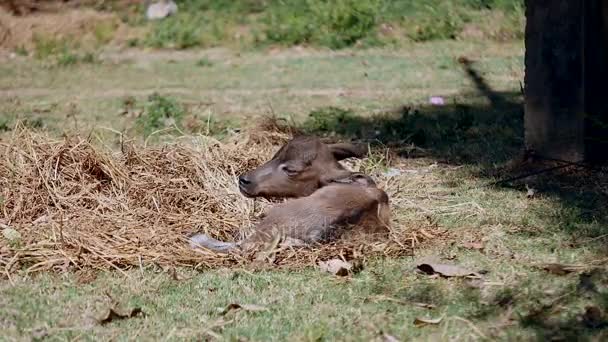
(77, 205)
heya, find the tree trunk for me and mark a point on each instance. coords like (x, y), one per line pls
(596, 77)
(566, 106)
(554, 101)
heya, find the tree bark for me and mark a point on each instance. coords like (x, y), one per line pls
(554, 89)
(566, 105)
(596, 76)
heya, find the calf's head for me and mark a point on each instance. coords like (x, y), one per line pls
(299, 168)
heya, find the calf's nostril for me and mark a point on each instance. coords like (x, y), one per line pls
(243, 180)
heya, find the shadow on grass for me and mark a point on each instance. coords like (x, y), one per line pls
(483, 130)
(582, 322)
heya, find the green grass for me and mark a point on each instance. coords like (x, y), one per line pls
(447, 155)
(518, 302)
(62, 52)
(251, 25)
(333, 24)
(256, 83)
(160, 112)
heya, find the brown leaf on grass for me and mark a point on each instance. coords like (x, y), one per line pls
(446, 270)
(424, 305)
(426, 321)
(112, 315)
(40, 333)
(389, 338)
(463, 60)
(560, 269)
(245, 307)
(426, 234)
(336, 267)
(474, 245)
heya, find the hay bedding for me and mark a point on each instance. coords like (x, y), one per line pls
(77, 205)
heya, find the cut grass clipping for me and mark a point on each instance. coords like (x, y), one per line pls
(73, 205)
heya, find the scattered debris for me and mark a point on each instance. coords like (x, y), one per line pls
(85, 276)
(11, 235)
(475, 283)
(463, 60)
(161, 9)
(389, 338)
(479, 246)
(426, 234)
(446, 270)
(245, 307)
(113, 315)
(437, 100)
(42, 219)
(336, 267)
(531, 191)
(426, 321)
(40, 333)
(560, 269)
(392, 172)
(404, 302)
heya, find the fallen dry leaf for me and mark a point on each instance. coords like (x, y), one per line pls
(389, 338)
(425, 321)
(246, 307)
(336, 267)
(112, 315)
(473, 245)
(253, 307)
(41, 219)
(446, 270)
(475, 283)
(463, 60)
(426, 234)
(560, 269)
(424, 305)
(39, 333)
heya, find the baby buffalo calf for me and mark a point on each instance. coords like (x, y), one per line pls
(320, 217)
(300, 167)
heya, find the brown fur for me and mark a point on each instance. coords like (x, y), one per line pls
(300, 167)
(321, 217)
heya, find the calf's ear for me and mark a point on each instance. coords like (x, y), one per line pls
(347, 150)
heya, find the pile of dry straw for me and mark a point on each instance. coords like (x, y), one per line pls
(78, 205)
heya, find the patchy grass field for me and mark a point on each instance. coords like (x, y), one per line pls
(445, 156)
(230, 85)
